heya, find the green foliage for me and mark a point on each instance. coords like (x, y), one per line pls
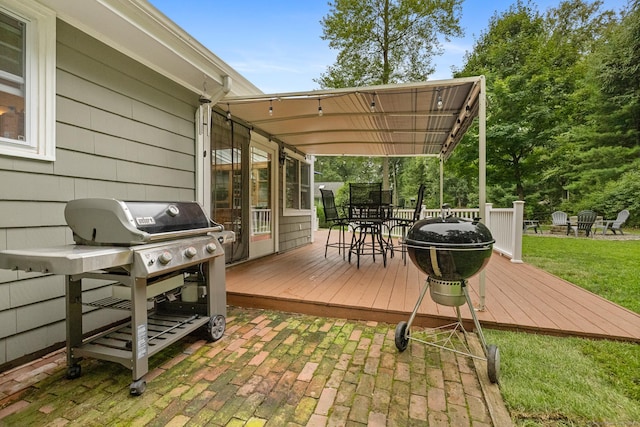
(386, 41)
(534, 65)
(344, 169)
(563, 95)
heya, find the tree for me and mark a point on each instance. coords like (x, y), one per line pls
(535, 66)
(386, 41)
(609, 138)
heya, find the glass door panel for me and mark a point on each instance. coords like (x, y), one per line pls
(261, 193)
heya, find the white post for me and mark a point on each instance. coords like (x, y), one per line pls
(482, 169)
(518, 216)
(486, 215)
(486, 220)
(441, 182)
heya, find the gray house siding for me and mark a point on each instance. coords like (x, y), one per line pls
(122, 131)
(293, 231)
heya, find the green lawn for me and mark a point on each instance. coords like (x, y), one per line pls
(551, 381)
(608, 268)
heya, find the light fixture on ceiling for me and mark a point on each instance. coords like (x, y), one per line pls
(439, 104)
(270, 107)
(228, 113)
(319, 108)
(372, 106)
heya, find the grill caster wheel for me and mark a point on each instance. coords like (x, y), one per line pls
(493, 363)
(216, 327)
(402, 336)
(74, 372)
(137, 387)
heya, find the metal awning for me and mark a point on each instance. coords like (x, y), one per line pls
(426, 119)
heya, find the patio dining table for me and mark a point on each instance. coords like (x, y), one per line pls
(369, 207)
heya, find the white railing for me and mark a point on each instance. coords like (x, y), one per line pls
(260, 221)
(461, 213)
(505, 225)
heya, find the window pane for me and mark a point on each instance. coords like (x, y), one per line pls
(292, 198)
(305, 187)
(12, 78)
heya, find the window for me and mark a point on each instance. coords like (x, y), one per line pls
(297, 187)
(27, 80)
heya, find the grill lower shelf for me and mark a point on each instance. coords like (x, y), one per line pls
(162, 330)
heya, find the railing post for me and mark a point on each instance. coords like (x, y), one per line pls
(518, 216)
(486, 215)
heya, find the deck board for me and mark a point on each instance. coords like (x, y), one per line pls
(518, 295)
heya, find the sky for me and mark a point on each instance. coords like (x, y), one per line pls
(277, 44)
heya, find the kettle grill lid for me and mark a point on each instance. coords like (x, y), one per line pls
(450, 232)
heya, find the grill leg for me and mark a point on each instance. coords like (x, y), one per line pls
(74, 323)
(475, 318)
(415, 309)
(139, 333)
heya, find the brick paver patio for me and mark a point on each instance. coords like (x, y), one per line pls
(269, 369)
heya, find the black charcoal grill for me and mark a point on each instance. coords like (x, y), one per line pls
(164, 262)
(449, 250)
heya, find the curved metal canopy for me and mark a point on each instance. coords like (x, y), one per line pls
(427, 119)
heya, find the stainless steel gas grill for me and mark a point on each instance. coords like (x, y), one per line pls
(166, 266)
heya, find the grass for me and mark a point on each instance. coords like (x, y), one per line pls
(551, 381)
(608, 268)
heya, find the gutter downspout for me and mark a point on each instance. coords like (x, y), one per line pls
(203, 141)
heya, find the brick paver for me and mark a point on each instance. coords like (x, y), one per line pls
(269, 369)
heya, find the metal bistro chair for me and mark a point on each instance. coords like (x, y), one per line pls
(405, 223)
(334, 219)
(366, 217)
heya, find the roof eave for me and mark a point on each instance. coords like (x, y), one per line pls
(142, 32)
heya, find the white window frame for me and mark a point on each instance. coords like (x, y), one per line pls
(292, 211)
(40, 81)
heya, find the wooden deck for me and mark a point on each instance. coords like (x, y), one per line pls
(518, 296)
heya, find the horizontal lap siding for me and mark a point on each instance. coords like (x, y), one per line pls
(122, 131)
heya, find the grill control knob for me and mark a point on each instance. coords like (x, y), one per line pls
(211, 247)
(165, 258)
(190, 252)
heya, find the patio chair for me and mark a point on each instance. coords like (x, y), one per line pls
(334, 219)
(559, 218)
(585, 222)
(614, 225)
(405, 223)
(366, 216)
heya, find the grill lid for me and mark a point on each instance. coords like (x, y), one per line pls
(97, 221)
(449, 232)
(449, 248)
